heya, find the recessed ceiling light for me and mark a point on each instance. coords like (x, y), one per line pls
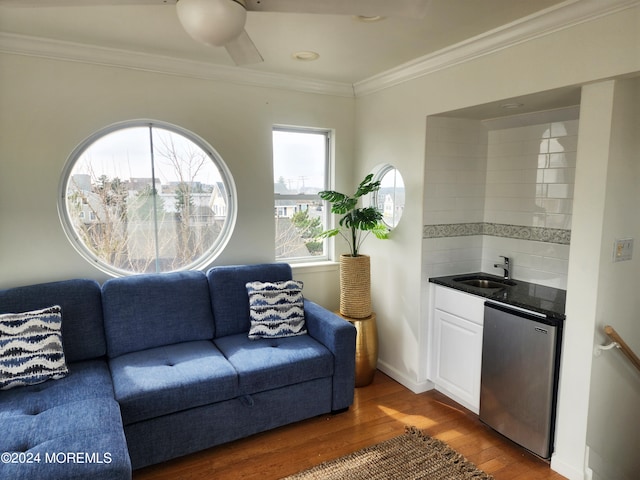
(305, 56)
(512, 106)
(366, 19)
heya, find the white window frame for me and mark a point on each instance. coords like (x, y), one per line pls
(230, 190)
(326, 217)
(379, 175)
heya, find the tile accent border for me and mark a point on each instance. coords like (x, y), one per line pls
(520, 232)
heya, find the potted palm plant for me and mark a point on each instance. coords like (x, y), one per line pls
(355, 225)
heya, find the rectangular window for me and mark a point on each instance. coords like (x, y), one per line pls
(300, 171)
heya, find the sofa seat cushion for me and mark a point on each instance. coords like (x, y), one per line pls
(68, 428)
(85, 381)
(265, 364)
(74, 440)
(168, 379)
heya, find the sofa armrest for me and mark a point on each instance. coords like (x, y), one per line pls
(339, 336)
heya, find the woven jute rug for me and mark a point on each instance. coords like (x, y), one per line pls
(411, 456)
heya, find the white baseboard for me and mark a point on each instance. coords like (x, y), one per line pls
(402, 378)
(565, 469)
(473, 408)
(600, 469)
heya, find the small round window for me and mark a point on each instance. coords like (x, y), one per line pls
(389, 199)
(145, 196)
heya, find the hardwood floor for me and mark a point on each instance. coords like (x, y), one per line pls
(380, 412)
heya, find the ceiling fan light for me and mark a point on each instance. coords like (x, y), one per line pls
(212, 22)
(512, 105)
(305, 56)
(369, 19)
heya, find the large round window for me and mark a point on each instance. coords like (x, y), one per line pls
(145, 196)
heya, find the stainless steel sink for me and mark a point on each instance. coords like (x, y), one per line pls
(484, 282)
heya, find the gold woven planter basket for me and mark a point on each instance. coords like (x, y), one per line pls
(355, 286)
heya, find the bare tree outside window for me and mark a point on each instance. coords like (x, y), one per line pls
(146, 198)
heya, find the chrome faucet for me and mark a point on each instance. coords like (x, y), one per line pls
(504, 266)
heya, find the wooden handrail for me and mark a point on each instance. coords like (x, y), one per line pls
(613, 335)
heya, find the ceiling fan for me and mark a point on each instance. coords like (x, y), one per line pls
(221, 22)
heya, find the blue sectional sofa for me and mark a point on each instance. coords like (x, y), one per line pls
(45, 425)
(161, 366)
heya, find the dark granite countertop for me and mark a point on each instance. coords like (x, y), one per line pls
(538, 298)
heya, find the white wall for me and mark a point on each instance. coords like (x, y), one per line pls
(583, 279)
(47, 107)
(614, 395)
(391, 128)
(392, 133)
(599, 397)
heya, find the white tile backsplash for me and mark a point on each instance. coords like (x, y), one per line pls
(448, 256)
(536, 262)
(560, 190)
(561, 160)
(455, 171)
(544, 169)
(558, 175)
(516, 176)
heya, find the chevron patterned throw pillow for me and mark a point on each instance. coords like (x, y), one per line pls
(276, 309)
(31, 347)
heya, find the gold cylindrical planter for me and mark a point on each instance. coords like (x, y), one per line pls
(366, 349)
(355, 286)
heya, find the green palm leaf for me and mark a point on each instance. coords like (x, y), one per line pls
(355, 220)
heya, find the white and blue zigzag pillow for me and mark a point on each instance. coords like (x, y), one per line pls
(31, 347)
(276, 309)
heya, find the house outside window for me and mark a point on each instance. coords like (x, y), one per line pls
(147, 197)
(301, 170)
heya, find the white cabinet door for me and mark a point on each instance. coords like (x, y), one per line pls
(457, 349)
(464, 305)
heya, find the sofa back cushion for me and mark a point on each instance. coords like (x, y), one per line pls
(82, 325)
(152, 310)
(229, 297)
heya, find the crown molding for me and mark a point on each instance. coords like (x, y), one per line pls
(92, 54)
(559, 17)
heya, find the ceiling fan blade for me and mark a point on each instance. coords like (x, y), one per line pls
(369, 8)
(81, 3)
(243, 51)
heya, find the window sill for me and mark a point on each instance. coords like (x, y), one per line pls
(311, 267)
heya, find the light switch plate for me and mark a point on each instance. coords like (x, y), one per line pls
(623, 249)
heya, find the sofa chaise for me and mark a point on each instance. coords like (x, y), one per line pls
(163, 365)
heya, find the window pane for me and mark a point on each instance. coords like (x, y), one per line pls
(299, 161)
(390, 198)
(300, 172)
(194, 204)
(147, 199)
